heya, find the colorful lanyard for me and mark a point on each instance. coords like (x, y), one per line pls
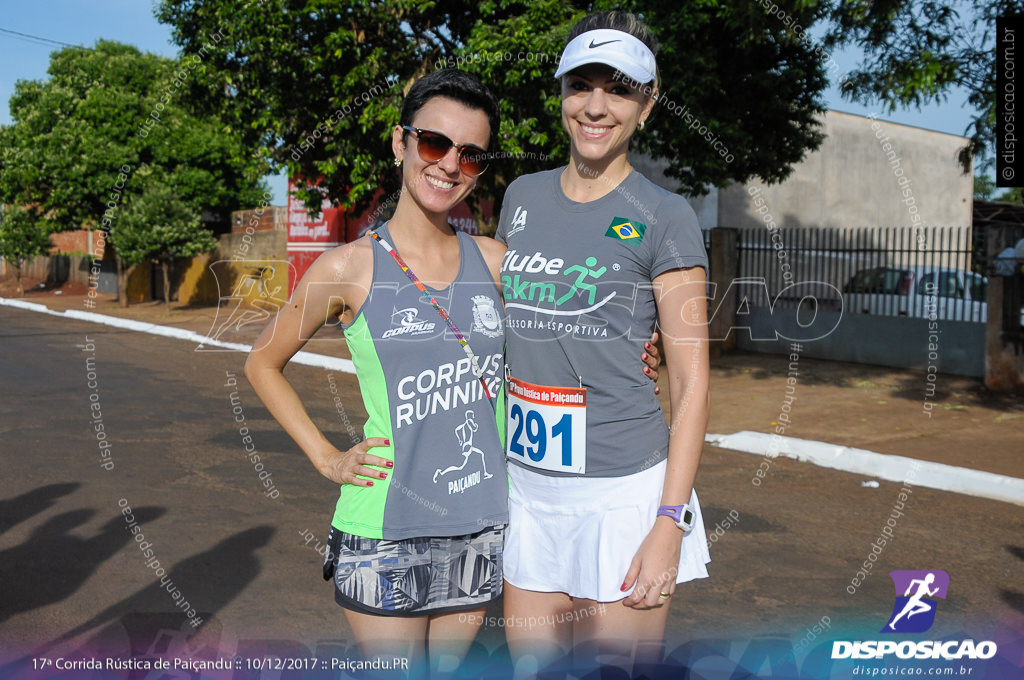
(473, 360)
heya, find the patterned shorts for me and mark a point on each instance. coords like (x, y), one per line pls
(416, 576)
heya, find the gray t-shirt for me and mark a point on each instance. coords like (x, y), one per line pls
(577, 286)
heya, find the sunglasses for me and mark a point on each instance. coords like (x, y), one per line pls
(433, 146)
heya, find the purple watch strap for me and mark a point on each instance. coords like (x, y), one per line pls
(673, 511)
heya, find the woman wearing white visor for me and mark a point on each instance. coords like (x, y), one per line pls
(604, 522)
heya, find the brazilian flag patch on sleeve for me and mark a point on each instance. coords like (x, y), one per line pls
(627, 230)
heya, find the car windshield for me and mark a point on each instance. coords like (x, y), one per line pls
(978, 286)
(941, 284)
(878, 280)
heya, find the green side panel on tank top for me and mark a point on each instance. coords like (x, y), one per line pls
(499, 413)
(500, 418)
(360, 510)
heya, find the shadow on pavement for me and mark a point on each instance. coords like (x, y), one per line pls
(959, 389)
(208, 581)
(150, 620)
(1014, 598)
(53, 563)
(14, 511)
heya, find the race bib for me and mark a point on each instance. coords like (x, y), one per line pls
(547, 426)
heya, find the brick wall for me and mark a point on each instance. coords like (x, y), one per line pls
(67, 242)
(269, 218)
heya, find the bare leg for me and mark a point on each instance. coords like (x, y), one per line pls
(390, 637)
(632, 639)
(449, 638)
(540, 632)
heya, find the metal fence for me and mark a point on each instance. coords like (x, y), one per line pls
(1000, 249)
(891, 271)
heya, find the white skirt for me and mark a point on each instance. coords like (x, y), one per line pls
(578, 535)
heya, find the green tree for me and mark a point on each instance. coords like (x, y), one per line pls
(984, 188)
(917, 51)
(1014, 195)
(79, 138)
(157, 225)
(317, 84)
(20, 239)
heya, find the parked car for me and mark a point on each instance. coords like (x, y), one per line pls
(918, 292)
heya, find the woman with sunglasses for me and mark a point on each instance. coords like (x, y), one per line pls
(416, 539)
(604, 521)
(418, 529)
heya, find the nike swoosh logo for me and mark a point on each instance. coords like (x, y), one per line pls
(607, 42)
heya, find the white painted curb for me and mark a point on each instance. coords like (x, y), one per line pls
(304, 358)
(877, 465)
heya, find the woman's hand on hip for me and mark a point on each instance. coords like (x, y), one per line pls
(651, 356)
(353, 466)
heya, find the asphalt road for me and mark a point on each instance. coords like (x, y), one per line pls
(73, 578)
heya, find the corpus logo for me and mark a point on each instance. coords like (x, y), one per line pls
(406, 322)
(406, 317)
(917, 593)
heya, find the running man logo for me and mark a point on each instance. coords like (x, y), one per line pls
(626, 230)
(914, 610)
(464, 435)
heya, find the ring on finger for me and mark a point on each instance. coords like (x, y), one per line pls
(664, 596)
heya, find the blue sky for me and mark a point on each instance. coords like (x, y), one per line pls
(83, 22)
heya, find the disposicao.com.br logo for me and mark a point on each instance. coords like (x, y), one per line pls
(917, 595)
(918, 599)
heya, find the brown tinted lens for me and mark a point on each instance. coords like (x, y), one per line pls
(433, 146)
(472, 160)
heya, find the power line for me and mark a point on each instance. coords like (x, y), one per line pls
(37, 38)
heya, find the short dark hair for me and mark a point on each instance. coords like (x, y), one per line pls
(617, 20)
(457, 85)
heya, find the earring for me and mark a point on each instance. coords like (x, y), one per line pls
(641, 126)
(398, 162)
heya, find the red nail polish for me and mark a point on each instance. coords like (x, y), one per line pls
(389, 464)
(644, 356)
(624, 587)
(387, 442)
(647, 345)
(383, 475)
(369, 484)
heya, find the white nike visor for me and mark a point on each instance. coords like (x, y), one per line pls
(613, 48)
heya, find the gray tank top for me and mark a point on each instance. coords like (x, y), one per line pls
(420, 392)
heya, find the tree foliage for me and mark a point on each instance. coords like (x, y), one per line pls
(20, 239)
(317, 84)
(107, 107)
(107, 116)
(916, 51)
(1014, 195)
(158, 225)
(984, 188)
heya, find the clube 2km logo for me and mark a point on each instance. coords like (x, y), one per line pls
(917, 598)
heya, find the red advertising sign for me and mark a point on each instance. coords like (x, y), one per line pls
(309, 237)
